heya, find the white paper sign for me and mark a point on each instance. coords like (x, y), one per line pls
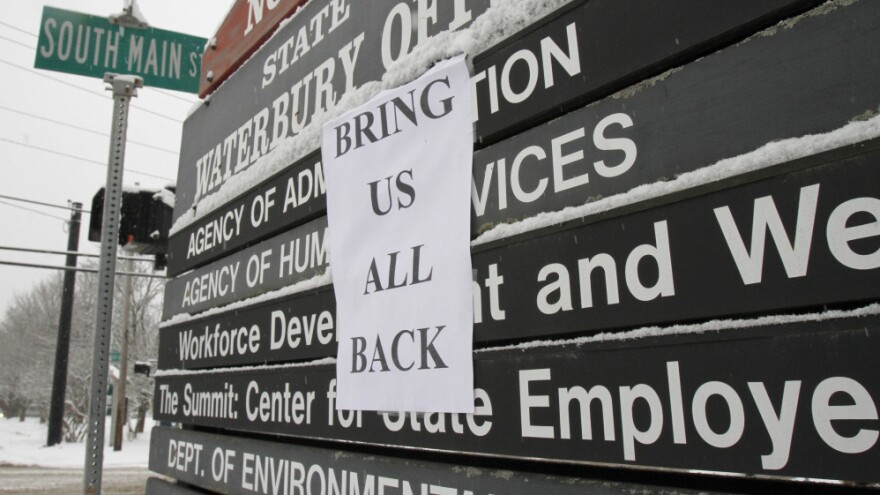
(398, 173)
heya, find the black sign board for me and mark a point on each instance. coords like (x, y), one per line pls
(327, 49)
(792, 399)
(796, 240)
(294, 256)
(658, 131)
(234, 465)
(800, 239)
(538, 74)
(287, 199)
(285, 329)
(354, 52)
(786, 83)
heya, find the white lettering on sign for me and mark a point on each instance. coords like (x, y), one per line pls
(156, 58)
(87, 44)
(287, 116)
(795, 254)
(402, 272)
(255, 10)
(219, 343)
(184, 456)
(329, 17)
(577, 405)
(219, 404)
(400, 21)
(222, 464)
(306, 186)
(556, 295)
(278, 406)
(297, 330)
(168, 400)
(533, 68)
(565, 153)
(216, 232)
(210, 285)
(478, 423)
(493, 283)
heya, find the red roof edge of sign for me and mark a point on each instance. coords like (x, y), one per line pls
(231, 46)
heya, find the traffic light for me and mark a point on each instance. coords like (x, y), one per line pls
(142, 367)
(144, 223)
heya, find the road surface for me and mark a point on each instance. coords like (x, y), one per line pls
(15, 480)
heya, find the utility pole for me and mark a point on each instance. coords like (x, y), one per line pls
(124, 88)
(62, 346)
(120, 411)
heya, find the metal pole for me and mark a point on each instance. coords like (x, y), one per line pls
(124, 88)
(62, 346)
(119, 393)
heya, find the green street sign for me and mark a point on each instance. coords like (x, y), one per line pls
(114, 356)
(89, 45)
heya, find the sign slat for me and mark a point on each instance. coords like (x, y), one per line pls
(294, 256)
(713, 401)
(286, 329)
(656, 131)
(538, 75)
(585, 53)
(230, 464)
(776, 244)
(287, 199)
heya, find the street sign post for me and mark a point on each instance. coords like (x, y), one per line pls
(124, 89)
(90, 45)
(94, 46)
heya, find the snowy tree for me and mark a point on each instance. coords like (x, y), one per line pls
(28, 333)
(27, 347)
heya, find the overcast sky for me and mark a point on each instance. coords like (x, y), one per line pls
(33, 163)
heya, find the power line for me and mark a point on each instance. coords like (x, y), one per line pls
(16, 28)
(170, 94)
(87, 160)
(102, 95)
(78, 269)
(46, 76)
(50, 205)
(34, 211)
(74, 126)
(19, 43)
(75, 253)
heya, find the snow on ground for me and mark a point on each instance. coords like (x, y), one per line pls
(24, 444)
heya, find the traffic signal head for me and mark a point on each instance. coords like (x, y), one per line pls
(144, 222)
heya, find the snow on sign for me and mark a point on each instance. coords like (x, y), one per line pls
(398, 182)
(283, 201)
(89, 45)
(612, 145)
(296, 255)
(291, 328)
(606, 274)
(783, 397)
(574, 55)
